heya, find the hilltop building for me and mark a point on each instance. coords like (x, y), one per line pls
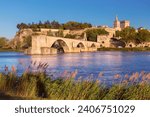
(105, 40)
(119, 25)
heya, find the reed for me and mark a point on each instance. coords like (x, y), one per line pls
(39, 85)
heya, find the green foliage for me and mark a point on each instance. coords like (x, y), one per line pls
(143, 35)
(129, 34)
(93, 33)
(115, 92)
(71, 36)
(22, 26)
(139, 92)
(118, 33)
(26, 86)
(2, 82)
(40, 86)
(76, 25)
(54, 25)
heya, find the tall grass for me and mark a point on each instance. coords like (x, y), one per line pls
(39, 85)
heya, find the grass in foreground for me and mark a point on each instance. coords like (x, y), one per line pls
(38, 85)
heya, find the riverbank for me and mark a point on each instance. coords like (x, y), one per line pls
(124, 49)
(40, 86)
(9, 50)
(99, 49)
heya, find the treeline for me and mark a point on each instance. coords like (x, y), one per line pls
(130, 34)
(71, 25)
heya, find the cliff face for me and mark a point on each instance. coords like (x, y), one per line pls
(20, 37)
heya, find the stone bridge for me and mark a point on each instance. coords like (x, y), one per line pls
(45, 45)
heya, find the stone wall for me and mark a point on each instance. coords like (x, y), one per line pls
(104, 40)
(48, 50)
(144, 44)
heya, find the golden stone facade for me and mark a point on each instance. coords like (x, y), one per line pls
(119, 25)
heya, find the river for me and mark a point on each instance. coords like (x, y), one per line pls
(87, 64)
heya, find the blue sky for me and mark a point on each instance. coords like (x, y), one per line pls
(97, 12)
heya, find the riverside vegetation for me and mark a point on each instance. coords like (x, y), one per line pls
(39, 85)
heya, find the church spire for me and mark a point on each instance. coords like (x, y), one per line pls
(116, 18)
(116, 23)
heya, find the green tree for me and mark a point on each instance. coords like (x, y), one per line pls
(72, 25)
(71, 36)
(93, 33)
(34, 27)
(143, 35)
(127, 35)
(55, 25)
(118, 34)
(22, 26)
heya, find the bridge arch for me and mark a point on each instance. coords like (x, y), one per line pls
(93, 45)
(61, 45)
(80, 45)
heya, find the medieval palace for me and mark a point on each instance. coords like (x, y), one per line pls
(119, 25)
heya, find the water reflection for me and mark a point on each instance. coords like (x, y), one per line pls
(110, 63)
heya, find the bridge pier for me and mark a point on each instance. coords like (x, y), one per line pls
(48, 51)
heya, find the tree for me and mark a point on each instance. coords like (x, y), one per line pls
(71, 25)
(40, 25)
(55, 25)
(143, 35)
(93, 33)
(127, 35)
(71, 36)
(22, 26)
(47, 24)
(118, 33)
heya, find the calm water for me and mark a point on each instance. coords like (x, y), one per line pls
(110, 63)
